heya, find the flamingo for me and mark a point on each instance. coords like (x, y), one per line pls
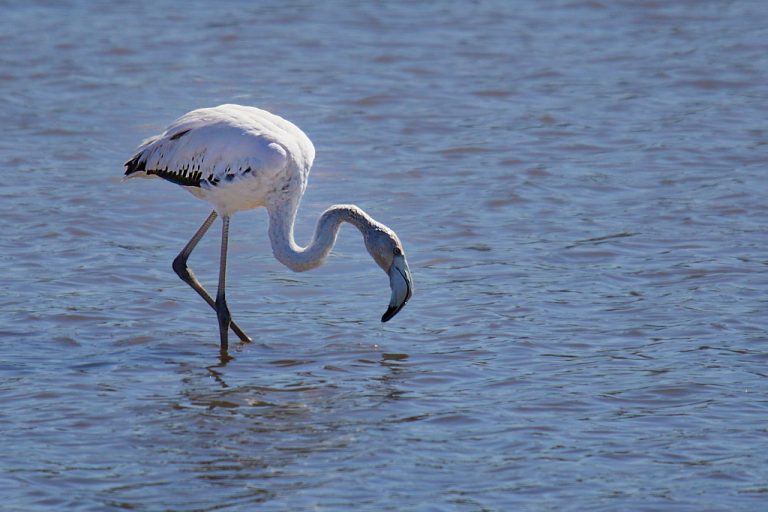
(240, 158)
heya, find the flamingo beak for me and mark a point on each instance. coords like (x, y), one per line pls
(401, 284)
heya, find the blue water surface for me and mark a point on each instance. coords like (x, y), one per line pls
(581, 190)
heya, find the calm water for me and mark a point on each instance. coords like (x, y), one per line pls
(581, 188)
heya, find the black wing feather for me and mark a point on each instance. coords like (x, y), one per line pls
(181, 176)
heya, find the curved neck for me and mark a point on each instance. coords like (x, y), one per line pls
(299, 259)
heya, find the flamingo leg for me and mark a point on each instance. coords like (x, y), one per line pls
(186, 274)
(222, 310)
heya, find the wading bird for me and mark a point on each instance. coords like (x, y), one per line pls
(239, 158)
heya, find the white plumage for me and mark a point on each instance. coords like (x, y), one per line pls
(239, 158)
(235, 157)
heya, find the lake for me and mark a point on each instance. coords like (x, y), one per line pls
(580, 187)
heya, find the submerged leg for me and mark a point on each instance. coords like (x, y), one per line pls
(186, 275)
(222, 311)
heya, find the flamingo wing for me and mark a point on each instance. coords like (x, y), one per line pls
(209, 146)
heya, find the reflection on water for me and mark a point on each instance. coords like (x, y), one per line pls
(579, 186)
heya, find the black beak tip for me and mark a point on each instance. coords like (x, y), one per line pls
(391, 311)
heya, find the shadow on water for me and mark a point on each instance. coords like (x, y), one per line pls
(224, 359)
(256, 427)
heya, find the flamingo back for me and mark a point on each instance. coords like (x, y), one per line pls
(232, 156)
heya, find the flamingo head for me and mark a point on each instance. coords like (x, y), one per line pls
(387, 250)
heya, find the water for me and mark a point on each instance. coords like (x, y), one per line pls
(580, 187)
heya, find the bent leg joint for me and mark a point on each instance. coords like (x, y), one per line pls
(180, 267)
(222, 312)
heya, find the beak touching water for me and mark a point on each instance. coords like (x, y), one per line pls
(402, 287)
